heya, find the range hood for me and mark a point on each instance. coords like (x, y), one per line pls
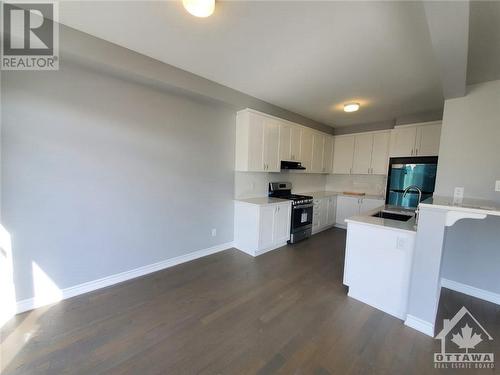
(292, 165)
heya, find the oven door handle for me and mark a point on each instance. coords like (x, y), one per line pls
(303, 206)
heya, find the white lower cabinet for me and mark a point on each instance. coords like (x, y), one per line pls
(324, 212)
(332, 211)
(348, 206)
(261, 228)
(368, 204)
(378, 266)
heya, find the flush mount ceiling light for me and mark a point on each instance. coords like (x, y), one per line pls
(199, 8)
(351, 107)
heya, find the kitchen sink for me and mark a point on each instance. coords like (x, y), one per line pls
(393, 216)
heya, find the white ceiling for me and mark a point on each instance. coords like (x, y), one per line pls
(307, 57)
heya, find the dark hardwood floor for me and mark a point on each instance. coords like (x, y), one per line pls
(285, 312)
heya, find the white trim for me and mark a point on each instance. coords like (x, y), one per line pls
(453, 216)
(322, 229)
(274, 247)
(420, 325)
(372, 303)
(434, 122)
(471, 291)
(32, 303)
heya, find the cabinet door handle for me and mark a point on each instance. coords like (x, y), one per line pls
(416, 151)
(411, 152)
(350, 170)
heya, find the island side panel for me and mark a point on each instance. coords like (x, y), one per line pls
(425, 276)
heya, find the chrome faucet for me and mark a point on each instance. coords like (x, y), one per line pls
(413, 187)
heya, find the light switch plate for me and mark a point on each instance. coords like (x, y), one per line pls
(497, 186)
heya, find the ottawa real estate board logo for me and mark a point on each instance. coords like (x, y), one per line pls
(459, 338)
(30, 36)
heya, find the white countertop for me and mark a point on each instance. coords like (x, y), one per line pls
(263, 201)
(368, 219)
(478, 206)
(326, 194)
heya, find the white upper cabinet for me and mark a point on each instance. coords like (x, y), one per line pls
(380, 153)
(263, 141)
(428, 138)
(306, 146)
(285, 142)
(365, 153)
(328, 155)
(416, 140)
(317, 154)
(403, 141)
(362, 154)
(295, 143)
(343, 153)
(271, 145)
(249, 142)
(289, 142)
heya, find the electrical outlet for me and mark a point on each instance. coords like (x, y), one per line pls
(214, 232)
(497, 185)
(400, 243)
(458, 195)
(459, 192)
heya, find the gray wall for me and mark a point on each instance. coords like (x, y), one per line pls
(115, 162)
(102, 176)
(469, 154)
(93, 153)
(471, 253)
(116, 60)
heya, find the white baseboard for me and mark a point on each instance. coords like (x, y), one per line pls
(341, 226)
(33, 303)
(420, 325)
(323, 229)
(376, 304)
(260, 252)
(471, 291)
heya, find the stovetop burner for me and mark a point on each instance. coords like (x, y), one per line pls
(283, 190)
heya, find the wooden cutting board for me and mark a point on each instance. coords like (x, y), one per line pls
(353, 193)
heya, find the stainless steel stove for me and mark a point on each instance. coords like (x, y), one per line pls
(302, 210)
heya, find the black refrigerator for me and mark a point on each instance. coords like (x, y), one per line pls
(404, 172)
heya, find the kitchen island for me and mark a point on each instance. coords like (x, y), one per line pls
(379, 254)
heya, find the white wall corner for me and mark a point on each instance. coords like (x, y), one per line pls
(420, 325)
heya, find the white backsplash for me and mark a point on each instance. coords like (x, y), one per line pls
(255, 184)
(369, 184)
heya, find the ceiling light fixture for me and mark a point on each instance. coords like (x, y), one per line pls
(351, 107)
(199, 8)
